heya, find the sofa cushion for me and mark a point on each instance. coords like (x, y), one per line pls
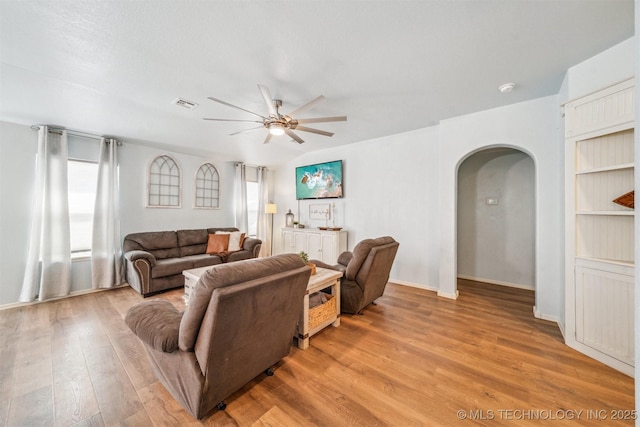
(170, 266)
(156, 323)
(217, 243)
(203, 260)
(161, 244)
(192, 242)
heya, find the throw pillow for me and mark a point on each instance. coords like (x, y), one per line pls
(236, 239)
(217, 243)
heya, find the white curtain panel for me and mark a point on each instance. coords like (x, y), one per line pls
(241, 210)
(264, 228)
(48, 270)
(106, 251)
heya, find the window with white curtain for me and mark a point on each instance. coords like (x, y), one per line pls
(207, 195)
(252, 200)
(164, 183)
(82, 181)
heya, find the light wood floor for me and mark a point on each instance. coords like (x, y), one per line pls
(412, 359)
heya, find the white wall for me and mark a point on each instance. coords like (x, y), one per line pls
(496, 242)
(598, 72)
(530, 127)
(136, 217)
(390, 188)
(18, 147)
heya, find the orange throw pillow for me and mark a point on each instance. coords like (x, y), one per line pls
(217, 243)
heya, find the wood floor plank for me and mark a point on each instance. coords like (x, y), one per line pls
(412, 359)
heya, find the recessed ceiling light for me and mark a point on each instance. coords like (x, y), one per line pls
(507, 87)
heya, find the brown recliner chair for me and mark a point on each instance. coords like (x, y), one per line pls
(240, 321)
(365, 272)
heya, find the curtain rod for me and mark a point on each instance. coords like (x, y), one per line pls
(75, 132)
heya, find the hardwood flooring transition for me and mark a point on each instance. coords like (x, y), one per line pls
(414, 359)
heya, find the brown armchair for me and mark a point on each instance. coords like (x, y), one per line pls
(365, 272)
(240, 321)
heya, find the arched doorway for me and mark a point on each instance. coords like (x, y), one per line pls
(496, 218)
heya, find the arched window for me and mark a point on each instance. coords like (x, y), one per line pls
(164, 183)
(207, 195)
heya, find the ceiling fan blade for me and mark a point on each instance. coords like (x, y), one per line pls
(307, 106)
(235, 106)
(318, 131)
(293, 136)
(324, 119)
(232, 120)
(268, 138)
(246, 130)
(268, 100)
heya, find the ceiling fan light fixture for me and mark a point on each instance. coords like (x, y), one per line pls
(276, 129)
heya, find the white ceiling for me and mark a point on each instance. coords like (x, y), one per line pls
(114, 67)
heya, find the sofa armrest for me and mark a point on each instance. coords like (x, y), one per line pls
(252, 245)
(135, 255)
(345, 258)
(156, 323)
(337, 267)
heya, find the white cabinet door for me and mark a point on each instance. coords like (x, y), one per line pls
(314, 246)
(604, 312)
(328, 247)
(293, 242)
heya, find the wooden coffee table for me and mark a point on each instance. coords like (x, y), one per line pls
(324, 278)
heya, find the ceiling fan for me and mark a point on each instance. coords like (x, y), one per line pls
(280, 124)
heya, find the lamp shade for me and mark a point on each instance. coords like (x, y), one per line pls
(271, 208)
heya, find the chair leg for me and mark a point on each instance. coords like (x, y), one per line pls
(221, 406)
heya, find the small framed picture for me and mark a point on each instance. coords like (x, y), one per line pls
(320, 212)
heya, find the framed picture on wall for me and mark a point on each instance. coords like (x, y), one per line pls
(319, 211)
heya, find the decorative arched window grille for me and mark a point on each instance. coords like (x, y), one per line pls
(207, 195)
(164, 183)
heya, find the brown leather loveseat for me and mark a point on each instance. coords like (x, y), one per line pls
(155, 260)
(240, 321)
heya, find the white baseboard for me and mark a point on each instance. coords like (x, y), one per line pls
(449, 296)
(71, 294)
(425, 287)
(496, 282)
(414, 285)
(543, 316)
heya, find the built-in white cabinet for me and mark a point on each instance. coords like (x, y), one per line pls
(323, 245)
(599, 155)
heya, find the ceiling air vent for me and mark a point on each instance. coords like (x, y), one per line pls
(181, 102)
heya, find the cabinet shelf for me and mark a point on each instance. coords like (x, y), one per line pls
(605, 169)
(607, 261)
(604, 213)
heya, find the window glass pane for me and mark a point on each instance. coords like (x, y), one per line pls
(207, 178)
(164, 182)
(82, 183)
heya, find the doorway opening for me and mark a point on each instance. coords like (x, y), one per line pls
(496, 218)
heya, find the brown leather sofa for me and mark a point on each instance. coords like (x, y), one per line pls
(155, 260)
(240, 321)
(365, 272)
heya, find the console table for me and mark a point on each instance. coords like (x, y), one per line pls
(324, 245)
